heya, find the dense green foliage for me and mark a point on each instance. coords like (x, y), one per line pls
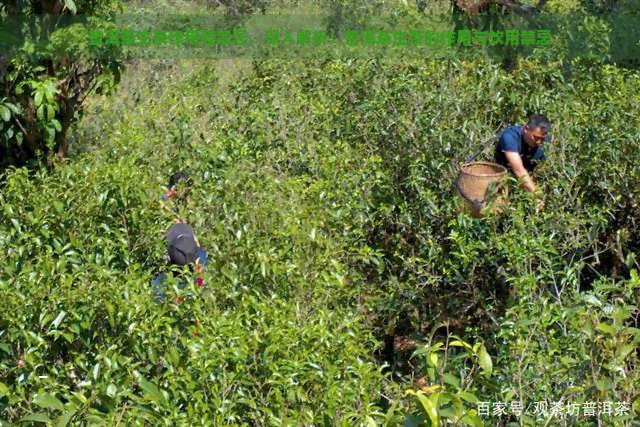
(344, 287)
(47, 71)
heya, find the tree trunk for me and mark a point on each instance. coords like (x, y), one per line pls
(66, 117)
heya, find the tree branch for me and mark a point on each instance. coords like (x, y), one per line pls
(520, 8)
(473, 7)
(541, 4)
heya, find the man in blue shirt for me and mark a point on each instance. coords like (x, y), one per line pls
(520, 148)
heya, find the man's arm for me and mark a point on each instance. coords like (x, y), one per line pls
(518, 168)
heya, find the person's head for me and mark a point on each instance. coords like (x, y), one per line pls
(182, 244)
(536, 130)
(179, 185)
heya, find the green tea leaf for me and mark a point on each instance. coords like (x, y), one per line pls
(47, 400)
(111, 390)
(5, 113)
(58, 319)
(427, 405)
(4, 390)
(38, 98)
(608, 329)
(152, 390)
(64, 420)
(40, 417)
(485, 361)
(96, 371)
(469, 397)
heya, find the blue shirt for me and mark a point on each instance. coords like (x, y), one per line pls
(512, 140)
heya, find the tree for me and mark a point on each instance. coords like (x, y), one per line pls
(495, 15)
(48, 68)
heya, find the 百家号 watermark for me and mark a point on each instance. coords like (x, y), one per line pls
(553, 409)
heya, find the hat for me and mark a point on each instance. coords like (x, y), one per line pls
(183, 246)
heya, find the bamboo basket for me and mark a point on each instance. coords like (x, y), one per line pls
(482, 188)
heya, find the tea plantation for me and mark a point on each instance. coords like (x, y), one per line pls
(344, 287)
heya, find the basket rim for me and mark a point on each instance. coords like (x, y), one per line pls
(502, 172)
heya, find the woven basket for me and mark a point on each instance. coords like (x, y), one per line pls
(474, 181)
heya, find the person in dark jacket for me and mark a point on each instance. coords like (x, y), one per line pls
(178, 189)
(183, 249)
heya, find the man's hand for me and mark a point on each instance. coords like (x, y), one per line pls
(518, 168)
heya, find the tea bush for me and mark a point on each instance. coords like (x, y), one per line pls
(92, 328)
